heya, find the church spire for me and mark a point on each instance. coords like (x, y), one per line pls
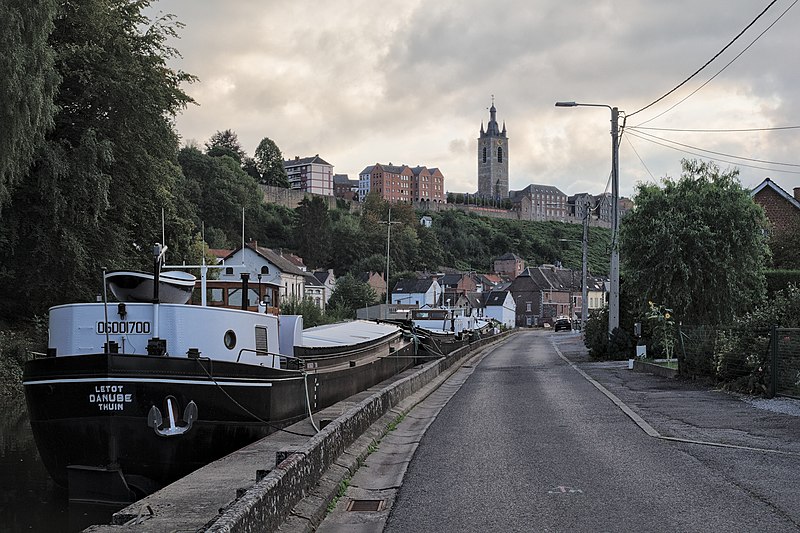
(491, 128)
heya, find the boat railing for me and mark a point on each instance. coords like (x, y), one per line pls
(286, 362)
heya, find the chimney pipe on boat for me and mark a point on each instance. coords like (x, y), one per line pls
(245, 292)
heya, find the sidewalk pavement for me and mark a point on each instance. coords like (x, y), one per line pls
(693, 410)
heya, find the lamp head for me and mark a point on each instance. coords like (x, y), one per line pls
(566, 104)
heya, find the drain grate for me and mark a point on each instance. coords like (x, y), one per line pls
(365, 505)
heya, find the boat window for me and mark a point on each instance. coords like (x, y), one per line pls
(235, 297)
(215, 296)
(230, 339)
(262, 346)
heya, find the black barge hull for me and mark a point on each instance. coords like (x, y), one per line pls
(95, 413)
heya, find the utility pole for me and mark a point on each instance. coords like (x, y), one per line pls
(388, 239)
(613, 302)
(584, 277)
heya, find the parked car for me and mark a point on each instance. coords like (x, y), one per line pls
(562, 322)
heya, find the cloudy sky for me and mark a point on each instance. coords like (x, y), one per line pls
(409, 82)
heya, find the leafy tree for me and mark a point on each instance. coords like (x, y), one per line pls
(249, 166)
(269, 163)
(695, 245)
(371, 263)
(221, 191)
(28, 82)
(431, 256)
(312, 315)
(95, 193)
(226, 143)
(351, 294)
(346, 233)
(313, 231)
(273, 225)
(404, 248)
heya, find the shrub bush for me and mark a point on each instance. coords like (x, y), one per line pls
(15, 348)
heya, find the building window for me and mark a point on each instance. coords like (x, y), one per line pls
(484, 154)
(265, 269)
(500, 154)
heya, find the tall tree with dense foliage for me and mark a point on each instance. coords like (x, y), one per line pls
(28, 82)
(313, 231)
(695, 245)
(221, 190)
(351, 294)
(94, 196)
(226, 142)
(269, 163)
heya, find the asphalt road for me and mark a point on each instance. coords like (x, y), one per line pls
(528, 444)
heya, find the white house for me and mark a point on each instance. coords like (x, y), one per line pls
(500, 306)
(420, 292)
(314, 290)
(328, 281)
(267, 268)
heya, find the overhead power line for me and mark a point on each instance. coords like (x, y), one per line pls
(640, 159)
(639, 135)
(681, 84)
(766, 162)
(724, 130)
(729, 63)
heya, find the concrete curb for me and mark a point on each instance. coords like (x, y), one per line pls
(268, 503)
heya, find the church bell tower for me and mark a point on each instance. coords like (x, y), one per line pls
(493, 159)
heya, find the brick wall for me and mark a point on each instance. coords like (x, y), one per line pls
(782, 215)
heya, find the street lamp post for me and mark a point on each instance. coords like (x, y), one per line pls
(613, 300)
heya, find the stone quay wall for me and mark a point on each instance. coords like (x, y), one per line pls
(266, 505)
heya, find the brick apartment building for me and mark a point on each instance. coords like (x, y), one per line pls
(401, 183)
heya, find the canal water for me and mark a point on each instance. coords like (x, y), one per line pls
(29, 500)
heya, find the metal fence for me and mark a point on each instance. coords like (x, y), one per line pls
(785, 362)
(763, 361)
